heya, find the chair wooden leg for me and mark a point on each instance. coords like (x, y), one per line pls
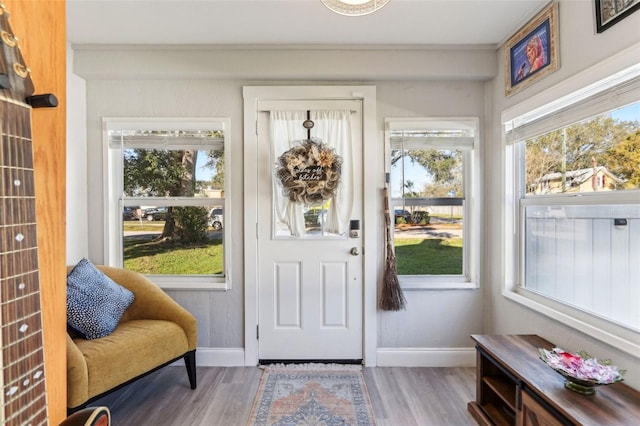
(190, 363)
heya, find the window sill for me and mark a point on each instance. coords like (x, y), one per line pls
(622, 338)
(172, 282)
(436, 283)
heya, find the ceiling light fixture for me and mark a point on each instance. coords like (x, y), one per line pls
(354, 7)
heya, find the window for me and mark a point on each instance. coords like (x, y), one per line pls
(167, 214)
(576, 208)
(431, 166)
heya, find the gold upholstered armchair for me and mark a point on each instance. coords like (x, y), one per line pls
(153, 332)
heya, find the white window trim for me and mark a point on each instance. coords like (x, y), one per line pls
(468, 280)
(113, 193)
(604, 330)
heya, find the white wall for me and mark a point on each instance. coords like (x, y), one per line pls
(434, 318)
(77, 219)
(580, 48)
(203, 83)
(219, 313)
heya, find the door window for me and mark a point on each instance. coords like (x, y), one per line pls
(313, 180)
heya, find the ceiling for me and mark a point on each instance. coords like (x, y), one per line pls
(295, 22)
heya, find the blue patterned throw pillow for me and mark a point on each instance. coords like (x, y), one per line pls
(95, 303)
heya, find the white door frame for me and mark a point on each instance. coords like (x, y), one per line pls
(373, 152)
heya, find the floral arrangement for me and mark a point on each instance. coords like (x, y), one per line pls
(309, 172)
(581, 367)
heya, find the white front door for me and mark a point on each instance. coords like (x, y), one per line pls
(310, 294)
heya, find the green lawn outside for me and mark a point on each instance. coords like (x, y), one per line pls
(145, 256)
(143, 226)
(414, 256)
(429, 256)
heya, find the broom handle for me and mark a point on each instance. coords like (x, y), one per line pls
(387, 216)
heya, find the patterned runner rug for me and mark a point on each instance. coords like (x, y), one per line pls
(312, 394)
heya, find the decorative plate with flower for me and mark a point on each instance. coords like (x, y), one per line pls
(582, 372)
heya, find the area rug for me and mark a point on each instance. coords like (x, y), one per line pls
(312, 394)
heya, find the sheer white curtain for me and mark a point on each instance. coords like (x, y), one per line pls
(286, 127)
(333, 128)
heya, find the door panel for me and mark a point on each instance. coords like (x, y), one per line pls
(334, 294)
(309, 286)
(287, 288)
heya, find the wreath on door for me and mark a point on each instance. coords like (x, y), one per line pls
(309, 172)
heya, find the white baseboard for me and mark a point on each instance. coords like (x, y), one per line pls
(386, 357)
(217, 357)
(426, 357)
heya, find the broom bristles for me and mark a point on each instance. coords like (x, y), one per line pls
(391, 296)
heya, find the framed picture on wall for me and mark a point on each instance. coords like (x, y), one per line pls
(608, 12)
(532, 52)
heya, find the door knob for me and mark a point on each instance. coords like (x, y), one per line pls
(355, 251)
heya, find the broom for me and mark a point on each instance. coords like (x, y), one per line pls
(391, 297)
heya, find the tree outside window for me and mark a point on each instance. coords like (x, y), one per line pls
(430, 176)
(172, 199)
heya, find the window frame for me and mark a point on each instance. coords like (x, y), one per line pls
(568, 97)
(470, 231)
(115, 201)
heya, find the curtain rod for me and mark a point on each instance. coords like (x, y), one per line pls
(352, 111)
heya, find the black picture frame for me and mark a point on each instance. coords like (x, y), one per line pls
(610, 12)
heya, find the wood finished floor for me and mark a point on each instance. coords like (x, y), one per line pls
(401, 396)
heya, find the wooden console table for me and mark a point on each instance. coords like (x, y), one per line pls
(515, 387)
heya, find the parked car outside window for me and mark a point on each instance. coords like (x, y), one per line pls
(130, 213)
(216, 218)
(403, 214)
(155, 213)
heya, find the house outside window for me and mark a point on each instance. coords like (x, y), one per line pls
(431, 166)
(573, 175)
(167, 210)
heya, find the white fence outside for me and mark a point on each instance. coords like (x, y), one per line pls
(583, 256)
